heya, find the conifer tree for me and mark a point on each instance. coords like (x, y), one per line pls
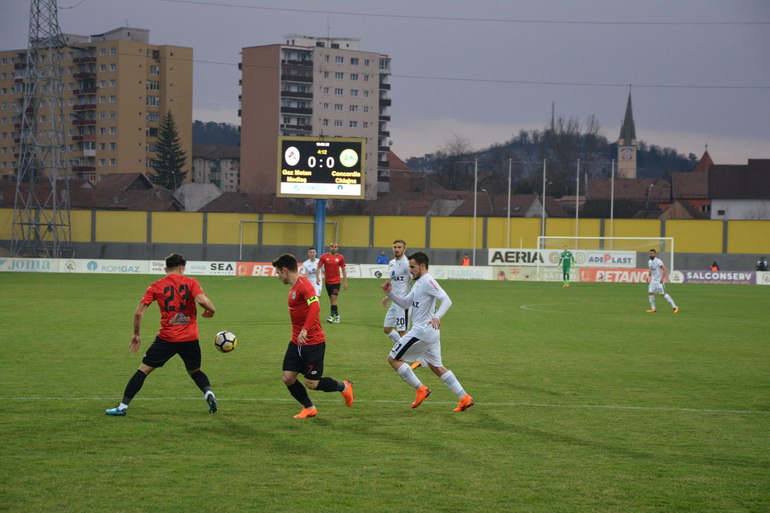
(170, 157)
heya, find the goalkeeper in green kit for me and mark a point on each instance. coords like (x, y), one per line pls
(566, 259)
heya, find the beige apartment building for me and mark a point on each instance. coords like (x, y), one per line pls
(312, 86)
(117, 86)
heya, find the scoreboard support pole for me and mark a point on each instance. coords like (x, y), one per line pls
(320, 225)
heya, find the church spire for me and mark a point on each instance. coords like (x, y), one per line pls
(628, 130)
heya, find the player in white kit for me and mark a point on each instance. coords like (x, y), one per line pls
(309, 269)
(396, 321)
(423, 341)
(656, 280)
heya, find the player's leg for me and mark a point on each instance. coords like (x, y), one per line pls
(433, 357)
(668, 298)
(409, 348)
(292, 366)
(333, 291)
(190, 352)
(313, 358)
(651, 289)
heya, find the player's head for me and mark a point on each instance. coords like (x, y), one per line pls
(399, 247)
(418, 264)
(653, 253)
(333, 247)
(565, 247)
(284, 265)
(311, 253)
(175, 260)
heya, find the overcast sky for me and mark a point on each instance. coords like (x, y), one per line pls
(482, 70)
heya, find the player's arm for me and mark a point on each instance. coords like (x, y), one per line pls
(663, 273)
(314, 308)
(136, 339)
(206, 304)
(319, 272)
(344, 278)
(446, 303)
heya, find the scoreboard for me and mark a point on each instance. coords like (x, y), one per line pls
(321, 167)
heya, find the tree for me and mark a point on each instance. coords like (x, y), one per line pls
(454, 168)
(170, 157)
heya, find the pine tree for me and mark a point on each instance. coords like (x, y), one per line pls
(170, 157)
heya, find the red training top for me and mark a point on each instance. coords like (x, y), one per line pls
(303, 310)
(175, 295)
(332, 265)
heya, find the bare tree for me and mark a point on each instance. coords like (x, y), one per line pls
(453, 170)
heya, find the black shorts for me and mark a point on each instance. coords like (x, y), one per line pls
(333, 289)
(307, 360)
(161, 351)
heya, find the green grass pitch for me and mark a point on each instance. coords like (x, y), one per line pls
(584, 403)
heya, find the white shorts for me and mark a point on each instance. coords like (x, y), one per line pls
(397, 318)
(419, 345)
(656, 286)
(317, 287)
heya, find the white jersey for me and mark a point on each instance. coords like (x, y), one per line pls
(423, 296)
(400, 277)
(656, 271)
(309, 269)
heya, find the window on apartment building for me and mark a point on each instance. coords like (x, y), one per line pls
(153, 101)
(326, 74)
(325, 122)
(338, 107)
(366, 62)
(354, 77)
(154, 70)
(366, 109)
(112, 162)
(339, 59)
(326, 58)
(113, 130)
(113, 114)
(113, 99)
(326, 106)
(153, 116)
(113, 146)
(353, 124)
(339, 75)
(326, 90)
(354, 108)
(354, 92)
(113, 51)
(102, 146)
(338, 91)
(113, 67)
(102, 162)
(102, 131)
(354, 61)
(103, 51)
(113, 83)
(102, 67)
(102, 99)
(366, 124)
(153, 85)
(366, 94)
(338, 122)
(102, 115)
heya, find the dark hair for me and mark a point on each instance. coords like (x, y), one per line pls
(175, 260)
(420, 258)
(286, 261)
(653, 250)
(401, 241)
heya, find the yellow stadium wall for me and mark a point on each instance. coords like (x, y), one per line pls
(410, 229)
(691, 236)
(748, 237)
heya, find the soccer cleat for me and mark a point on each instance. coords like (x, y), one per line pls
(306, 413)
(465, 403)
(212, 402)
(414, 365)
(116, 412)
(422, 393)
(347, 393)
(337, 319)
(650, 311)
(676, 309)
(330, 319)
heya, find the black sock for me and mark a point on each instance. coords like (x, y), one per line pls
(134, 386)
(334, 310)
(330, 385)
(299, 392)
(202, 381)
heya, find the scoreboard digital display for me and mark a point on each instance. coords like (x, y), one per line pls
(321, 167)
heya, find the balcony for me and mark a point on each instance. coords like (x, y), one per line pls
(85, 90)
(84, 74)
(89, 153)
(83, 169)
(297, 78)
(301, 128)
(85, 106)
(384, 86)
(383, 133)
(384, 118)
(290, 62)
(296, 110)
(83, 122)
(77, 137)
(82, 60)
(385, 102)
(383, 148)
(295, 94)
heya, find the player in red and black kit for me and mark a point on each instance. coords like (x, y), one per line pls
(176, 295)
(333, 265)
(305, 353)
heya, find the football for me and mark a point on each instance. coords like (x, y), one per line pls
(225, 341)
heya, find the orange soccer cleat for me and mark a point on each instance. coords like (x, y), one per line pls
(422, 393)
(347, 393)
(465, 403)
(306, 413)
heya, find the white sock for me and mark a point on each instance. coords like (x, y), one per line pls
(409, 376)
(394, 336)
(670, 300)
(206, 395)
(652, 301)
(454, 385)
(122, 406)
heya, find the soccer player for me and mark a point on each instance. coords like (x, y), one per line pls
(333, 264)
(566, 259)
(423, 341)
(309, 270)
(656, 279)
(400, 281)
(176, 295)
(305, 353)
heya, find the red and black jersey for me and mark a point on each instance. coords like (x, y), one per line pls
(175, 295)
(332, 265)
(303, 310)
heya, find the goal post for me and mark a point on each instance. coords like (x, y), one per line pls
(589, 251)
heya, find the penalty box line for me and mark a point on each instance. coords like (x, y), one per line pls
(388, 401)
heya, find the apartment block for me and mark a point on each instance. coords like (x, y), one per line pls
(312, 86)
(219, 164)
(117, 86)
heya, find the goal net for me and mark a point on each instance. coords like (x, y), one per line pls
(607, 252)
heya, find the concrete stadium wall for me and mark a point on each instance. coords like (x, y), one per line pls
(735, 245)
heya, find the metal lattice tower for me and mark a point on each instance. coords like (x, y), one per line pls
(41, 215)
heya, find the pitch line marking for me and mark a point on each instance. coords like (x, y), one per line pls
(533, 309)
(389, 401)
